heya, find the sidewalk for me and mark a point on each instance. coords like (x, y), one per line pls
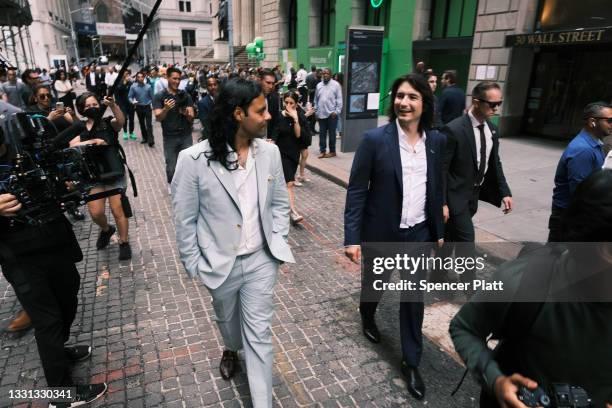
(529, 165)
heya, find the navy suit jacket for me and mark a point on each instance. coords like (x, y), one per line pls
(451, 103)
(375, 192)
(205, 107)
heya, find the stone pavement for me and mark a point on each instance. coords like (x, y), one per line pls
(529, 165)
(156, 344)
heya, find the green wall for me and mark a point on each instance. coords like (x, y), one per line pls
(397, 46)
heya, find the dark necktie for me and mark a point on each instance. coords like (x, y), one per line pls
(483, 154)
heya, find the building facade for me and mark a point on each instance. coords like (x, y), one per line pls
(181, 31)
(50, 34)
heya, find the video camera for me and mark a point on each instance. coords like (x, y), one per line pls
(49, 178)
(558, 396)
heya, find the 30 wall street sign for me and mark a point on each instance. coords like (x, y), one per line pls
(554, 38)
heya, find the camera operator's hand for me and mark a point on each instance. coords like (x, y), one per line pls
(169, 104)
(507, 388)
(9, 205)
(109, 101)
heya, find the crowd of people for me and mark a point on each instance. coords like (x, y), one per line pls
(417, 179)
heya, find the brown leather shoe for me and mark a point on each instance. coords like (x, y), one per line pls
(332, 154)
(322, 156)
(20, 322)
(228, 365)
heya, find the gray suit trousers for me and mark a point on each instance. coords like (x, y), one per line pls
(244, 306)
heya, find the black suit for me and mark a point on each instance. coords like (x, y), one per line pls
(273, 101)
(373, 214)
(462, 171)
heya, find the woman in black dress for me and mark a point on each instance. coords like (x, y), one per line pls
(291, 128)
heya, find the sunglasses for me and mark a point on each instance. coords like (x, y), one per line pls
(44, 96)
(609, 120)
(492, 105)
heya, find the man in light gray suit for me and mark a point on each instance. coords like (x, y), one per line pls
(231, 212)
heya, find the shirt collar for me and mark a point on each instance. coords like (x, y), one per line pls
(401, 135)
(475, 122)
(592, 141)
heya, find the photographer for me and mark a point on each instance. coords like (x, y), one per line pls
(563, 340)
(106, 134)
(39, 263)
(61, 117)
(174, 109)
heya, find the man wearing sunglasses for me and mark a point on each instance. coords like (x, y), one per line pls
(474, 171)
(583, 156)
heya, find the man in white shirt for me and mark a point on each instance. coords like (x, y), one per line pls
(395, 195)
(231, 211)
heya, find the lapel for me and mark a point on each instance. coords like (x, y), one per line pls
(226, 180)
(392, 141)
(430, 151)
(262, 169)
(469, 133)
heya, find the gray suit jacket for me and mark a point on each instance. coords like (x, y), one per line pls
(207, 216)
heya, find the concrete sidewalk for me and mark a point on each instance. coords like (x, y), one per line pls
(529, 165)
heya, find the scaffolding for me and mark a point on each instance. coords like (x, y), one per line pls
(15, 40)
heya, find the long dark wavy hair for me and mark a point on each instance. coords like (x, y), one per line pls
(222, 126)
(419, 84)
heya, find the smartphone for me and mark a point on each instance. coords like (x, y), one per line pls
(59, 105)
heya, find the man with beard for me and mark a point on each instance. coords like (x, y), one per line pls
(231, 212)
(581, 158)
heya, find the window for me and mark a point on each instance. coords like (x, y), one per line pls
(188, 38)
(449, 19)
(327, 18)
(292, 24)
(101, 13)
(185, 6)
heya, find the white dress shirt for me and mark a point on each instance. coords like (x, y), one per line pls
(414, 179)
(245, 180)
(488, 138)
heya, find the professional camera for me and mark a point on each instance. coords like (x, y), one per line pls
(181, 99)
(48, 178)
(559, 396)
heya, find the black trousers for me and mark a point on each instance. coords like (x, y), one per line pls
(411, 311)
(554, 225)
(128, 111)
(145, 118)
(460, 228)
(47, 289)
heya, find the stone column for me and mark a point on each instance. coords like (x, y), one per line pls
(492, 61)
(246, 21)
(236, 14)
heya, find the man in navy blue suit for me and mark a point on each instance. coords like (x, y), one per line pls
(452, 101)
(395, 195)
(206, 103)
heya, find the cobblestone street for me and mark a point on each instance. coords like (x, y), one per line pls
(156, 343)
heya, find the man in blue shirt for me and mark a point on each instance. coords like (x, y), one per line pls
(583, 156)
(141, 95)
(328, 105)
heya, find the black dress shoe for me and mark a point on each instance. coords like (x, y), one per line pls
(370, 331)
(414, 382)
(228, 365)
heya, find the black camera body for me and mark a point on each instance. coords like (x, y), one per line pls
(558, 396)
(181, 99)
(49, 179)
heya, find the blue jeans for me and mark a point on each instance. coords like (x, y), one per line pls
(327, 127)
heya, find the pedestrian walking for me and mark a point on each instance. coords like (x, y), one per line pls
(207, 102)
(452, 101)
(266, 79)
(122, 97)
(395, 194)
(328, 107)
(174, 109)
(235, 178)
(141, 98)
(582, 156)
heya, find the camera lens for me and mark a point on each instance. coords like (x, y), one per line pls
(545, 401)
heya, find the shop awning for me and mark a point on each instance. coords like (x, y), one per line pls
(555, 38)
